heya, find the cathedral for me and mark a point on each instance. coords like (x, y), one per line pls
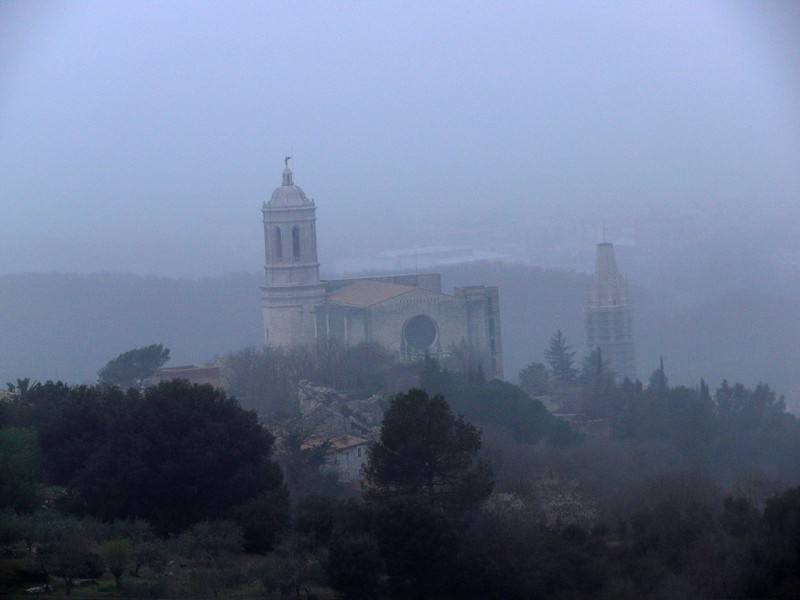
(406, 314)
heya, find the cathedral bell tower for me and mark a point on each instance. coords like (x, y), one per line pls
(293, 290)
(609, 315)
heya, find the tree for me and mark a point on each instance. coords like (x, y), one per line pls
(302, 463)
(355, 566)
(116, 555)
(22, 387)
(562, 504)
(658, 379)
(434, 378)
(425, 451)
(425, 481)
(176, 455)
(132, 368)
(213, 547)
(361, 367)
(293, 566)
(561, 357)
(594, 368)
(20, 468)
(149, 553)
(72, 425)
(535, 379)
(466, 358)
(782, 524)
(266, 379)
(69, 553)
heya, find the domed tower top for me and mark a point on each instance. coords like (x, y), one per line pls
(288, 195)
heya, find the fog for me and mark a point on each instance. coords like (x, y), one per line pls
(143, 137)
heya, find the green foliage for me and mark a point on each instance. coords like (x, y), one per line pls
(594, 368)
(425, 478)
(507, 554)
(72, 425)
(70, 558)
(425, 451)
(266, 379)
(302, 464)
(739, 431)
(293, 566)
(20, 468)
(265, 516)
(174, 456)
(211, 542)
(781, 578)
(497, 403)
(660, 525)
(362, 367)
(154, 587)
(466, 359)
(132, 368)
(435, 379)
(561, 358)
(658, 379)
(213, 547)
(150, 553)
(419, 541)
(535, 379)
(115, 555)
(504, 404)
(22, 386)
(315, 517)
(355, 566)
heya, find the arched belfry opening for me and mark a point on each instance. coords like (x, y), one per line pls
(296, 243)
(278, 244)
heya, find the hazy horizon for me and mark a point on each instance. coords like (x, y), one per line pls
(144, 137)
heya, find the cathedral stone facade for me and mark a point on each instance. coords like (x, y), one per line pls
(406, 314)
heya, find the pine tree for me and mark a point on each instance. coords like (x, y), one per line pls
(560, 356)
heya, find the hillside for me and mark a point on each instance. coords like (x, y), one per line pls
(68, 325)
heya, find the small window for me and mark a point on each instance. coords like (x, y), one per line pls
(359, 450)
(296, 243)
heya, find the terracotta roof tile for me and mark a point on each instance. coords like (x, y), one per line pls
(368, 293)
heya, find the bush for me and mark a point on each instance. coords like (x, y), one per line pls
(145, 588)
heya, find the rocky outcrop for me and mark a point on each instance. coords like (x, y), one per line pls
(328, 413)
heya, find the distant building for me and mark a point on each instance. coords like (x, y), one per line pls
(406, 314)
(346, 456)
(412, 259)
(609, 315)
(191, 373)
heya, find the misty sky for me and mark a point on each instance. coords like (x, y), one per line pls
(145, 136)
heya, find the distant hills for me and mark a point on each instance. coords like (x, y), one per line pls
(67, 326)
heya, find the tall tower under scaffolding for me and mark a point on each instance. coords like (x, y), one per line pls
(609, 315)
